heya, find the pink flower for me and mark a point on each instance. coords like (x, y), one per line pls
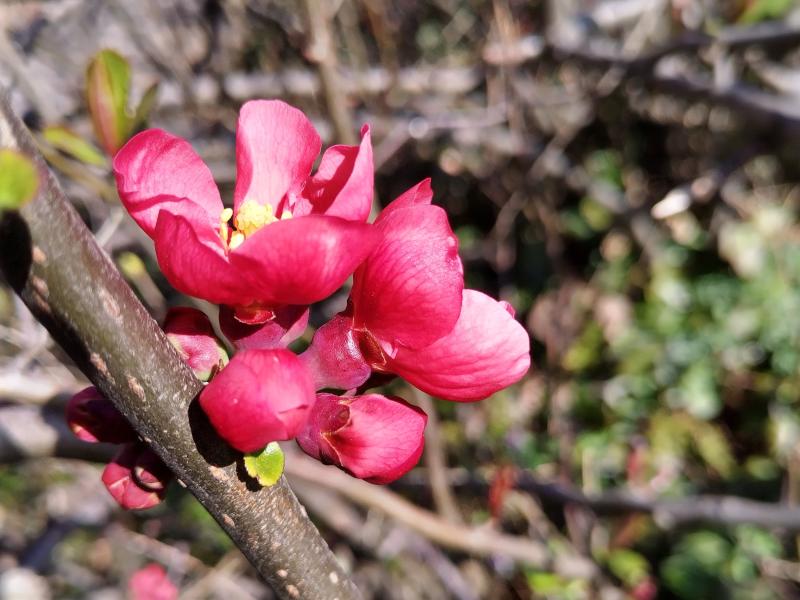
(406, 294)
(372, 437)
(262, 396)
(136, 477)
(151, 583)
(93, 418)
(290, 238)
(409, 315)
(193, 336)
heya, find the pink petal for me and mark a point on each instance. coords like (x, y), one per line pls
(93, 418)
(486, 351)
(193, 336)
(303, 260)
(276, 146)
(150, 472)
(288, 324)
(120, 482)
(342, 186)
(420, 194)
(262, 396)
(334, 358)
(151, 583)
(158, 171)
(194, 261)
(409, 289)
(372, 437)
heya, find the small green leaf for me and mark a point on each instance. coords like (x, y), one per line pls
(107, 83)
(70, 142)
(266, 466)
(146, 104)
(19, 179)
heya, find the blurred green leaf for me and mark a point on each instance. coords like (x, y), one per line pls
(19, 179)
(629, 566)
(73, 144)
(265, 466)
(763, 10)
(146, 104)
(107, 84)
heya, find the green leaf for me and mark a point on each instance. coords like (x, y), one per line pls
(629, 566)
(266, 466)
(70, 142)
(19, 179)
(764, 10)
(107, 83)
(146, 104)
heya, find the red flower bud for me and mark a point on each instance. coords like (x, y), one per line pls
(262, 396)
(93, 418)
(372, 437)
(136, 477)
(334, 358)
(191, 333)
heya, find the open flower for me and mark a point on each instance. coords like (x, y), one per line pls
(290, 238)
(372, 437)
(262, 396)
(409, 315)
(406, 294)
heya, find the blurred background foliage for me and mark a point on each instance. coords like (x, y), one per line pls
(623, 172)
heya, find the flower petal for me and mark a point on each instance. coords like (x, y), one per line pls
(262, 396)
(93, 418)
(372, 437)
(343, 184)
(276, 146)
(193, 336)
(157, 171)
(151, 583)
(303, 260)
(409, 289)
(334, 358)
(193, 260)
(486, 351)
(420, 194)
(287, 325)
(119, 479)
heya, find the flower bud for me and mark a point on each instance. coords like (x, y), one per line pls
(262, 396)
(136, 478)
(334, 358)
(93, 418)
(372, 437)
(191, 333)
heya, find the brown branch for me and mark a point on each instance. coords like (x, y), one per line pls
(51, 260)
(322, 51)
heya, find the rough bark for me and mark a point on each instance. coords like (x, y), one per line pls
(51, 260)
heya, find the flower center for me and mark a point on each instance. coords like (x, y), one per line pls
(250, 217)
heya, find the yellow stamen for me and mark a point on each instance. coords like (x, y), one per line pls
(236, 240)
(252, 216)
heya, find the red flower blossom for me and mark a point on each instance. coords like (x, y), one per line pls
(406, 294)
(409, 315)
(136, 477)
(93, 418)
(289, 239)
(372, 437)
(262, 396)
(193, 336)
